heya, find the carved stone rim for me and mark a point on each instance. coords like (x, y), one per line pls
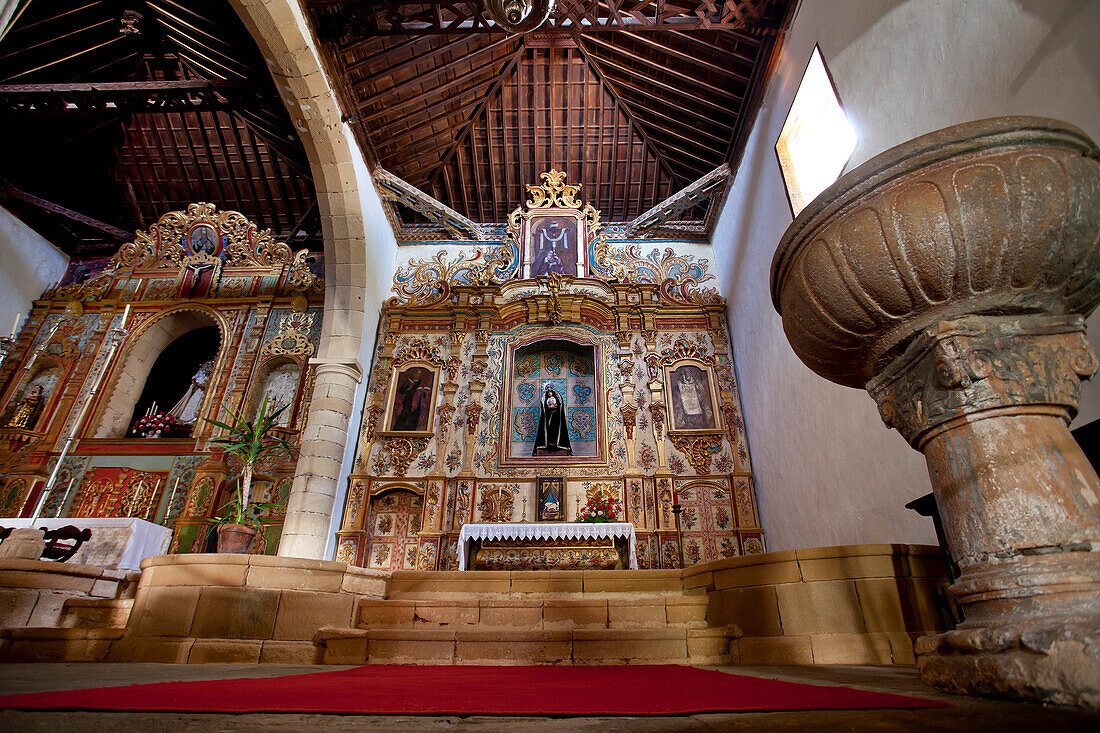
(920, 152)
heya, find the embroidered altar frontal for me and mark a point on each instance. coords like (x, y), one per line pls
(590, 554)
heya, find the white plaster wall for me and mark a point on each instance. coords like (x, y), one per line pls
(381, 258)
(827, 470)
(28, 265)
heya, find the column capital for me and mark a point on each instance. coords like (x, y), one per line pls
(348, 367)
(974, 364)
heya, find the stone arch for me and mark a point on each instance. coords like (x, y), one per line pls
(342, 184)
(142, 349)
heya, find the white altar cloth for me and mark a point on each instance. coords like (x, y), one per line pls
(545, 531)
(117, 543)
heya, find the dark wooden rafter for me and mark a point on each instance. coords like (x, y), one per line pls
(464, 132)
(338, 18)
(10, 192)
(594, 64)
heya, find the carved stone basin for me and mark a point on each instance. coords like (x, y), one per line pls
(993, 217)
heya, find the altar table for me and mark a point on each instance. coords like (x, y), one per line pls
(117, 543)
(546, 531)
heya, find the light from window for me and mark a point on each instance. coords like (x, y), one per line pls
(817, 140)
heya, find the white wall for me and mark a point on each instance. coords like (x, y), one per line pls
(28, 265)
(381, 258)
(827, 470)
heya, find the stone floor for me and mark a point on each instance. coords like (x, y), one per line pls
(967, 714)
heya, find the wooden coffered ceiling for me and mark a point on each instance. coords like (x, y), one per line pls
(117, 111)
(634, 100)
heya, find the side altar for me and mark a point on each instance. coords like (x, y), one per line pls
(521, 375)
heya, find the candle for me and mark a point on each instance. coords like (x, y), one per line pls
(125, 316)
(65, 500)
(134, 498)
(15, 327)
(168, 506)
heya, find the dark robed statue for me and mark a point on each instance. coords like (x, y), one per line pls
(552, 433)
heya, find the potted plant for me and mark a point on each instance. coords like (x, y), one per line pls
(249, 441)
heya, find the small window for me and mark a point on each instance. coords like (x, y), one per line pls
(817, 140)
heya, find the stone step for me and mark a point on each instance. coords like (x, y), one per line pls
(443, 584)
(508, 645)
(53, 644)
(536, 613)
(96, 613)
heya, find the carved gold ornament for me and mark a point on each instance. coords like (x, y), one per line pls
(239, 244)
(699, 449)
(292, 338)
(403, 451)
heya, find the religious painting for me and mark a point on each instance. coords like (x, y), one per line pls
(551, 499)
(202, 240)
(554, 242)
(692, 399)
(410, 405)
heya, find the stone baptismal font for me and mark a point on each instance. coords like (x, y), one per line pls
(951, 277)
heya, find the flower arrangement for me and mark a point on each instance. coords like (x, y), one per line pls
(153, 425)
(600, 509)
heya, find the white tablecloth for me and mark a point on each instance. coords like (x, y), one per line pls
(117, 543)
(545, 531)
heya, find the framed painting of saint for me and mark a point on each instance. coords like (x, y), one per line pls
(554, 242)
(203, 240)
(410, 400)
(551, 499)
(692, 398)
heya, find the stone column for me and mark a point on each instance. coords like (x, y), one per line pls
(951, 277)
(309, 510)
(988, 401)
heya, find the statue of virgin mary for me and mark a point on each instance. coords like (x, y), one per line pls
(186, 411)
(552, 433)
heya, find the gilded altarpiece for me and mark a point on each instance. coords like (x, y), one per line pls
(83, 357)
(617, 344)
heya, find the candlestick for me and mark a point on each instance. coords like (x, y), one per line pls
(65, 499)
(134, 498)
(168, 506)
(523, 517)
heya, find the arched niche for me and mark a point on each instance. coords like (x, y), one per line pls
(137, 362)
(570, 368)
(30, 400)
(280, 380)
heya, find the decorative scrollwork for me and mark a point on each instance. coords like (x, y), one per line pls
(403, 451)
(292, 338)
(698, 448)
(240, 244)
(418, 350)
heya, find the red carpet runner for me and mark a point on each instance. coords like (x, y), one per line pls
(461, 690)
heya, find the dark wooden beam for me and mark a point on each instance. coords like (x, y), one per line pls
(649, 39)
(505, 72)
(661, 68)
(11, 192)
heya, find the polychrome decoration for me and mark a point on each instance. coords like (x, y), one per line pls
(521, 379)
